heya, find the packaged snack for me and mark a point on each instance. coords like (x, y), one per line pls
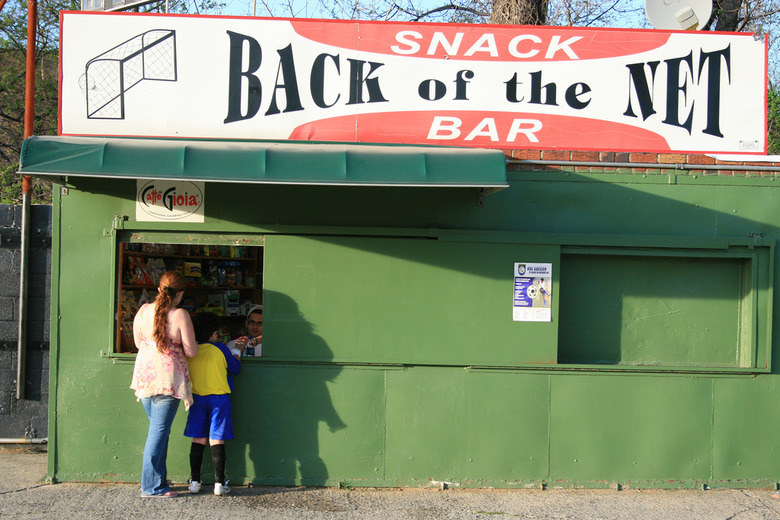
(193, 269)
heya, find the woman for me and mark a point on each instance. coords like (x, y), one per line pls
(164, 336)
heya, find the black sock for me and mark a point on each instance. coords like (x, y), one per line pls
(218, 459)
(196, 460)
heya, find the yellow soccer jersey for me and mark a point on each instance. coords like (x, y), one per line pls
(210, 370)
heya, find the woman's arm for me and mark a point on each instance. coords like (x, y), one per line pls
(137, 327)
(181, 322)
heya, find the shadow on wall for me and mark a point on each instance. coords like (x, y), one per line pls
(560, 202)
(651, 310)
(621, 301)
(278, 407)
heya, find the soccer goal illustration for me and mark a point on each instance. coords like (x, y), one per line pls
(150, 55)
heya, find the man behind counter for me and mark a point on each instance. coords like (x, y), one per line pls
(254, 327)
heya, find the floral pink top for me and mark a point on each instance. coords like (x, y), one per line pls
(163, 373)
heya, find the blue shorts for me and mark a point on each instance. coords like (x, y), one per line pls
(210, 417)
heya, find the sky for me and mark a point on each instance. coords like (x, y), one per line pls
(634, 16)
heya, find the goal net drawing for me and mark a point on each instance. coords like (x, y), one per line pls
(107, 77)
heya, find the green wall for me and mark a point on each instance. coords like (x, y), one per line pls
(391, 357)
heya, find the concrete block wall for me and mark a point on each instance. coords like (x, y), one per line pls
(27, 417)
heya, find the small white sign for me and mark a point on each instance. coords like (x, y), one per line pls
(532, 299)
(169, 201)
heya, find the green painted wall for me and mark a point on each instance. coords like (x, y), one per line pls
(391, 357)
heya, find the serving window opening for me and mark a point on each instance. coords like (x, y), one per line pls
(222, 278)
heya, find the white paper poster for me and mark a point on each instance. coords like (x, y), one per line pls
(533, 292)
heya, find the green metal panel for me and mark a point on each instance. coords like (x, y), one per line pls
(415, 301)
(102, 429)
(508, 441)
(430, 440)
(735, 215)
(649, 310)
(300, 422)
(607, 208)
(400, 321)
(746, 422)
(624, 428)
(54, 335)
(456, 425)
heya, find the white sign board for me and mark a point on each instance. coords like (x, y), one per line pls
(440, 84)
(163, 200)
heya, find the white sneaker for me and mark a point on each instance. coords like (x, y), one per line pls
(194, 487)
(221, 489)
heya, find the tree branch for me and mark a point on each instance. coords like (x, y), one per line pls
(449, 7)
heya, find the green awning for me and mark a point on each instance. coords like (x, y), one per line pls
(262, 162)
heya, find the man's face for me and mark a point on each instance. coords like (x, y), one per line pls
(254, 324)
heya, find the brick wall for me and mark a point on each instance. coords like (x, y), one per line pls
(664, 161)
(26, 417)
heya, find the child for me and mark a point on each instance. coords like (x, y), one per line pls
(210, 415)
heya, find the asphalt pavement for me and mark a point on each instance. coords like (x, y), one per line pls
(24, 494)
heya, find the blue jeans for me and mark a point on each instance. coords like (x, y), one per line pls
(161, 409)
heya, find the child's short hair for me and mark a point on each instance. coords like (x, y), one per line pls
(205, 324)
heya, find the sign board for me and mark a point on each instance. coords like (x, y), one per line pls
(440, 84)
(169, 201)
